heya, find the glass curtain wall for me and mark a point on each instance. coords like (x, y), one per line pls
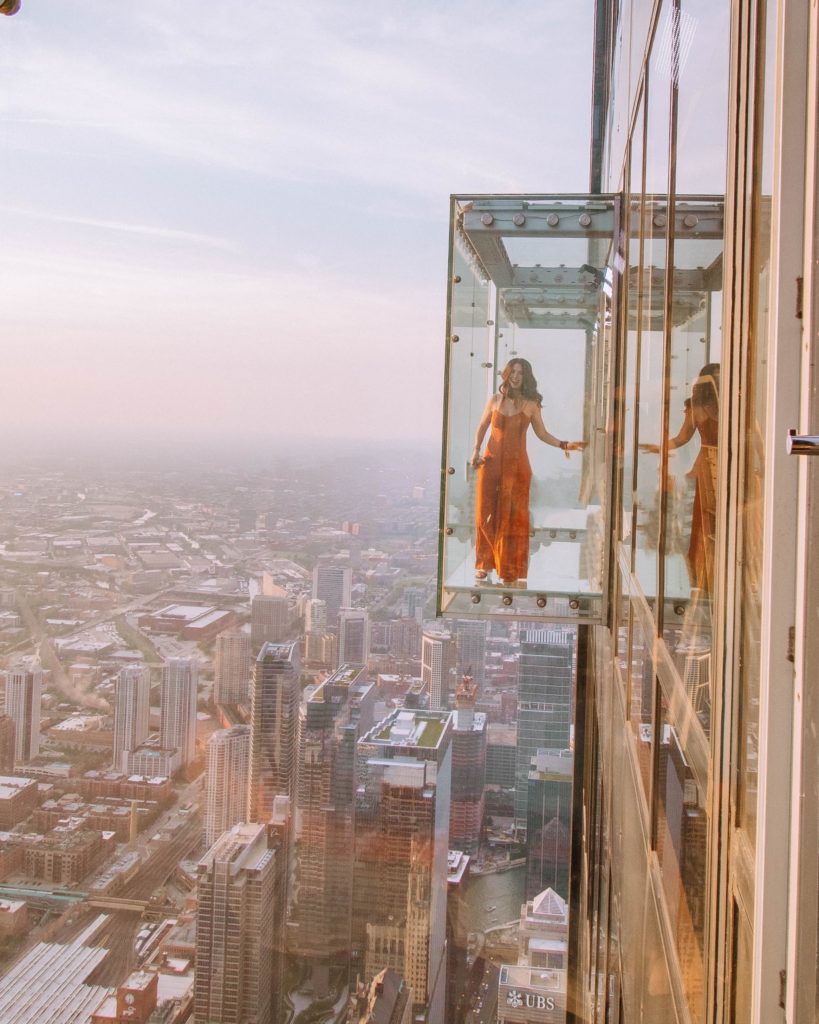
(674, 167)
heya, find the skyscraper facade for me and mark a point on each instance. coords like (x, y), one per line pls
(470, 646)
(437, 666)
(353, 636)
(469, 735)
(315, 616)
(333, 585)
(274, 719)
(334, 713)
(227, 780)
(131, 710)
(548, 823)
(402, 829)
(180, 677)
(269, 618)
(544, 703)
(7, 745)
(23, 691)
(238, 899)
(231, 679)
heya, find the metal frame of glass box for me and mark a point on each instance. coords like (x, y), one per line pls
(533, 276)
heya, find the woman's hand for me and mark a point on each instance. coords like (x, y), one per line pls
(477, 459)
(652, 449)
(572, 446)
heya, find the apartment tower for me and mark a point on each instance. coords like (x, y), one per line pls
(333, 585)
(402, 830)
(131, 711)
(232, 667)
(239, 898)
(544, 703)
(180, 677)
(353, 636)
(227, 781)
(274, 722)
(23, 689)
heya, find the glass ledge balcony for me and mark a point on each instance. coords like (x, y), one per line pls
(524, 528)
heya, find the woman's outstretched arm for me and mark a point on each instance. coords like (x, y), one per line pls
(543, 435)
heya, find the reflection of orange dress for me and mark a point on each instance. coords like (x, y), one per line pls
(704, 518)
(502, 500)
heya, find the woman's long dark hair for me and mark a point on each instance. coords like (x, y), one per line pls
(705, 392)
(528, 387)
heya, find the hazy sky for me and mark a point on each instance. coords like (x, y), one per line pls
(231, 219)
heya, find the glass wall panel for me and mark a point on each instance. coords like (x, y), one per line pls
(471, 347)
(691, 474)
(619, 96)
(650, 367)
(743, 969)
(702, 43)
(755, 373)
(681, 833)
(657, 1000)
(641, 698)
(631, 302)
(633, 898)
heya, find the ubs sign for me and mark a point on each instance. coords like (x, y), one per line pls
(516, 999)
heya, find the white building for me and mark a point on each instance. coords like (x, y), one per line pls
(227, 783)
(131, 711)
(180, 677)
(23, 690)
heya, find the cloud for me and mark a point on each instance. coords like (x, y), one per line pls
(149, 230)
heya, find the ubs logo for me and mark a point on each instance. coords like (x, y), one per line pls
(531, 1000)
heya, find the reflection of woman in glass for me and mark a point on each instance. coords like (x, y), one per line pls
(504, 473)
(702, 417)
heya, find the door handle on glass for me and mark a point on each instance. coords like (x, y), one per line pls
(802, 444)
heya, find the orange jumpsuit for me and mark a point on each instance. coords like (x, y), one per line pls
(704, 518)
(502, 499)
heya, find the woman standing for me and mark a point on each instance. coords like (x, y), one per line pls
(504, 473)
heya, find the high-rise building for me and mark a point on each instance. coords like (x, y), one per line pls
(315, 616)
(274, 720)
(7, 749)
(548, 822)
(239, 896)
(470, 645)
(406, 640)
(23, 691)
(468, 770)
(180, 677)
(334, 714)
(232, 667)
(269, 618)
(131, 710)
(333, 585)
(402, 829)
(227, 782)
(533, 991)
(544, 703)
(353, 636)
(437, 667)
(412, 605)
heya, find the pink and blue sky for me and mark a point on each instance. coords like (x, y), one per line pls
(230, 220)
